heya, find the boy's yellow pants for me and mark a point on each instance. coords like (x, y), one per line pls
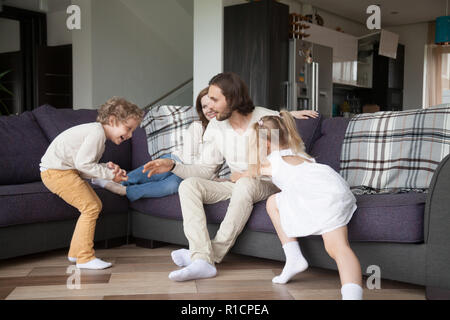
(69, 186)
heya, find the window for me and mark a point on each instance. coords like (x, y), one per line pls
(446, 78)
(437, 72)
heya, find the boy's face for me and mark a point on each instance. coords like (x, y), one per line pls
(122, 131)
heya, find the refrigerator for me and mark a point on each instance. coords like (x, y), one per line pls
(310, 85)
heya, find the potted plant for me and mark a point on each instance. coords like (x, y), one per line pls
(3, 107)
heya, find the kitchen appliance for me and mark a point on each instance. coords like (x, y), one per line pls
(310, 85)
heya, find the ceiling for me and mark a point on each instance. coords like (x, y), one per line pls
(409, 11)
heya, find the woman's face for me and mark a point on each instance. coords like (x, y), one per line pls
(206, 108)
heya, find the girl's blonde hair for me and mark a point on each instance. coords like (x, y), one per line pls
(273, 128)
(121, 109)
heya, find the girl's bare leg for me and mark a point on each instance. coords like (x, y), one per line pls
(338, 247)
(295, 262)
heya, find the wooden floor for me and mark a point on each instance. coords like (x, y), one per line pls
(139, 273)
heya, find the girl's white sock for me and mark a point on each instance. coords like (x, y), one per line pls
(295, 263)
(351, 291)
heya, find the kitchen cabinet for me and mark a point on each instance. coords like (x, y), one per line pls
(345, 51)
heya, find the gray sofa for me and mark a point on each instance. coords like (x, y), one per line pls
(406, 235)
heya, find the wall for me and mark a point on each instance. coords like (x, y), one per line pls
(333, 21)
(82, 58)
(137, 49)
(208, 42)
(57, 32)
(414, 37)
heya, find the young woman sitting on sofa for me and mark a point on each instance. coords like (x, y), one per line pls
(140, 186)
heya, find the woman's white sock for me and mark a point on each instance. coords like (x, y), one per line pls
(295, 263)
(116, 188)
(99, 182)
(351, 291)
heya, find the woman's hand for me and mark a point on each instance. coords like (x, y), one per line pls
(235, 176)
(305, 114)
(158, 166)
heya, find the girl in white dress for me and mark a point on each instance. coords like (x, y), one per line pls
(314, 200)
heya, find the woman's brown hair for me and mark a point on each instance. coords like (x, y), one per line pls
(235, 91)
(199, 108)
(272, 128)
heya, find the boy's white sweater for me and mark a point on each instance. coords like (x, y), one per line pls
(79, 148)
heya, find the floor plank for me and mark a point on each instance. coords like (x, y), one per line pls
(4, 292)
(261, 295)
(142, 274)
(50, 280)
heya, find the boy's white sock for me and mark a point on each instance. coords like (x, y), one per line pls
(100, 182)
(72, 259)
(95, 264)
(198, 269)
(181, 257)
(351, 291)
(295, 263)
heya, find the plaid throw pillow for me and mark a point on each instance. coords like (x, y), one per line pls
(164, 126)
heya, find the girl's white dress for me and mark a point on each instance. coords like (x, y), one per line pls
(314, 199)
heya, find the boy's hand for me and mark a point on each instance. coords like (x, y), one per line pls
(158, 166)
(304, 114)
(120, 177)
(120, 174)
(113, 166)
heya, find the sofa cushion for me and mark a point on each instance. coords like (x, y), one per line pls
(309, 130)
(33, 202)
(23, 145)
(139, 149)
(327, 148)
(379, 218)
(54, 121)
(389, 218)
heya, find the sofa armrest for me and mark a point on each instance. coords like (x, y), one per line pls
(437, 227)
